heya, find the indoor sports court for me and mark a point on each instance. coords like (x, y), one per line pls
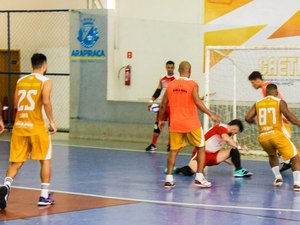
(110, 62)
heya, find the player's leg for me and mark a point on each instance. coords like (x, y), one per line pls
(285, 165)
(269, 146)
(177, 141)
(19, 152)
(156, 131)
(196, 138)
(191, 168)
(42, 151)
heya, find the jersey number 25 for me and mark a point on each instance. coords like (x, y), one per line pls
(28, 95)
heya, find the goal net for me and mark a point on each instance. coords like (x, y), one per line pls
(227, 69)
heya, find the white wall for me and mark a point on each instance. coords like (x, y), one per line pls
(155, 31)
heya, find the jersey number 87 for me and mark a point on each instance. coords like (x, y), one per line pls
(263, 115)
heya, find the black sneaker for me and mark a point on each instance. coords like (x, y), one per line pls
(285, 166)
(4, 192)
(151, 148)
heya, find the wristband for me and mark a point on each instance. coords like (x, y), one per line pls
(239, 147)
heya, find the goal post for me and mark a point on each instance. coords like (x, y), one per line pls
(227, 69)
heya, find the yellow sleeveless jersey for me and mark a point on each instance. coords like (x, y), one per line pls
(29, 118)
(269, 117)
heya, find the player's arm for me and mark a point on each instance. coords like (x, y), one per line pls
(1, 121)
(288, 114)
(251, 115)
(47, 89)
(156, 94)
(232, 143)
(162, 110)
(200, 105)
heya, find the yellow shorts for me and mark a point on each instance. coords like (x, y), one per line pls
(278, 143)
(36, 147)
(287, 129)
(195, 138)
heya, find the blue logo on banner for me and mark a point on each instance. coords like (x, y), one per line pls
(88, 34)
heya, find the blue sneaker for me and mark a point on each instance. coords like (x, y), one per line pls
(4, 192)
(46, 201)
(242, 173)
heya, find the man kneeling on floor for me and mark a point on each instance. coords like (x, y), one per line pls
(216, 137)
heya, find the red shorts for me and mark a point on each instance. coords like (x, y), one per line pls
(210, 158)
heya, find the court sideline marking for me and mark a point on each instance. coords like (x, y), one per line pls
(167, 202)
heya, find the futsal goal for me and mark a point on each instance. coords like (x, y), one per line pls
(227, 69)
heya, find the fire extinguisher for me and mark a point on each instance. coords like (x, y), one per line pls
(127, 75)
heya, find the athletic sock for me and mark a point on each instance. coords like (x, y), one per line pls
(287, 161)
(8, 181)
(199, 176)
(236, 158)
(169, 178)
(276, 172)
(296, 175)
(154, 138)
(45, 190)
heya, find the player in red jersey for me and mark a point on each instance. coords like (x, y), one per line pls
(215, 138)
(162, 85)
(258, 82)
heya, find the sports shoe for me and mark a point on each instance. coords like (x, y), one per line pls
(242, 173)
(169, 185)
(202, 183)
(168, 148)
(4, 192)
(151, 148)
(285, 166)
(296, 187)
(278, 182)
(46, 201)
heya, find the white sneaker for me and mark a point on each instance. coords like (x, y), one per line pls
(202, 183)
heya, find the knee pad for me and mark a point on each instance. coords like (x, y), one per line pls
(156, 129)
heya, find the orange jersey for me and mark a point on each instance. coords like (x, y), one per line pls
(183, 110)
(264, 90)
(268, 115)
(29, 118)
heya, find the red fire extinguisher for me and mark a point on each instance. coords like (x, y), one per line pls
(127, 75)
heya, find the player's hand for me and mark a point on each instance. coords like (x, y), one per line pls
(215, 118)
(244, 148)
(149, 105)
(161, 124)
(1, 127)
(53, 128)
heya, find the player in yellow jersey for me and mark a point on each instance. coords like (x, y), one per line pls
(30, 135)
(272, 137)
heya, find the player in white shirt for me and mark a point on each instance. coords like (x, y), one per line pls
(216, 138)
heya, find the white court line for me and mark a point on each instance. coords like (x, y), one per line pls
(168, 203)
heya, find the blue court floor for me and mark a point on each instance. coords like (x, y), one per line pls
(138, 176)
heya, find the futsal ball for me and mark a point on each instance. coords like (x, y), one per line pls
(154, 108)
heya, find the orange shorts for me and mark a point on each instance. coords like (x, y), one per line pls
(36, 147)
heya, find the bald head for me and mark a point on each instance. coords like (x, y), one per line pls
(184, 69)
(272, 90)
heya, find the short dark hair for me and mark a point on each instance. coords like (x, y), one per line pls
(255, 75)
(238, 123)
(170, 62)
(37, 60)
(271, 87)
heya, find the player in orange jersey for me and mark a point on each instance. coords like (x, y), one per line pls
(182, 98)
(271, 136)
(162, 85)
(257, 82)
(30, 135)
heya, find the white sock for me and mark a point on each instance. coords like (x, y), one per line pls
(276, 172)
(169, 178)
(287, 161)
(8, 181)
(296, 175)
(199, 176)
(45, 190)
